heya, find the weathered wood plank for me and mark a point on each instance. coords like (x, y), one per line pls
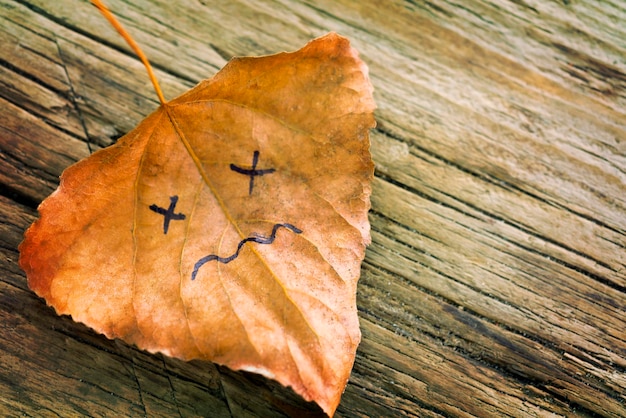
(496, 281)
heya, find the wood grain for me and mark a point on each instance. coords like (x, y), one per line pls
(496, 281)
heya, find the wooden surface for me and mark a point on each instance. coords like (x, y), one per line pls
(496, 281)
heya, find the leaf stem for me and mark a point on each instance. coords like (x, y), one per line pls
(131, 42)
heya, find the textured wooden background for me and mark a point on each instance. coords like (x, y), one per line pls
(496, 281)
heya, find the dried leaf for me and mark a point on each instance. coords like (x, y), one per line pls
(229, 225)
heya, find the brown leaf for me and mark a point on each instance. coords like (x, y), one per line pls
(229, 225)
